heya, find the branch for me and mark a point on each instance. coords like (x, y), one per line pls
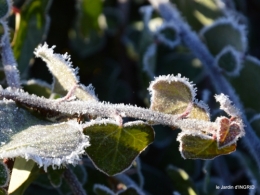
(190, 38)
(103, 109)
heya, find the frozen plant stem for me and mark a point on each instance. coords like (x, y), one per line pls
(106, 110)
(10, 65)
(190, 38)
(73, 182)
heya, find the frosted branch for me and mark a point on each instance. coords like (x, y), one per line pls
(104, 109)
(190, 38)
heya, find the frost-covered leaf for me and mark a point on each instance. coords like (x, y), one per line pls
(228, 132)
(228, 60)
(23, 173)
(46, 143)
(37, 87)
(170, 94)
(33, 27)
(225, 32)
(227, 106)
(113, 148)
(181, 180)
(194, 145)
(5, 7)
(168, 35)
(4, 175)
(65, 77)
(176, 95)
(246, 84)
(102, 190)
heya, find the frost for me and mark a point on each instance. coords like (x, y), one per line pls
(99, 122)
(227, 106)
(44, 142)
(101, 109)
(65, 77)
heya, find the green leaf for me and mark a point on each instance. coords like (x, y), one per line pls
(46, 143)
(5, 6)
(32, 30)
(23, 173)
(194, 145)
(65, 77)
(4, 175)
(247, 83)
(222, 33)
(176, 95)
(181, 181)
(37, 87)
(113, 148)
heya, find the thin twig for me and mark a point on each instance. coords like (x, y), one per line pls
(73, 182)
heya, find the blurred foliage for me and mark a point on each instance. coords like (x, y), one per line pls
(107, 40)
